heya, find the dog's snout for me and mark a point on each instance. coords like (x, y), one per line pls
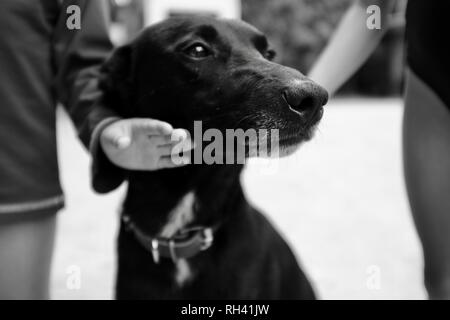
(305, 97)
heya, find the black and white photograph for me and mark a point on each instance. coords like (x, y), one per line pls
(247, 151)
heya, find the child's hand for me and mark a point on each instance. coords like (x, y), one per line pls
(142, 144)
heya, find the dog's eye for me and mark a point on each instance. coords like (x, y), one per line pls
(270, 54)
(197, 51)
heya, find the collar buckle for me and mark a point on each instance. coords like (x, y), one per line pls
(208, 238)
(155, 251)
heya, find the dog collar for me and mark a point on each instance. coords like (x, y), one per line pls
(184, 244)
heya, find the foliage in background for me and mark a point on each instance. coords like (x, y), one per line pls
(298, 29)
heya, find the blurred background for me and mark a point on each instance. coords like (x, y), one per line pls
(340, 201)
(297, 29)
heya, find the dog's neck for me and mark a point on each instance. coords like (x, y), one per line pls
(163, 201)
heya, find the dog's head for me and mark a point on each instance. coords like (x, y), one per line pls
(217, 71)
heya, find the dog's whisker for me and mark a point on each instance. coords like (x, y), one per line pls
(243, 120)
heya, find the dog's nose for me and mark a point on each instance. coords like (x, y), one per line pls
(305, 97)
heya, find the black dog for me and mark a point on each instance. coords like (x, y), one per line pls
(189, 232)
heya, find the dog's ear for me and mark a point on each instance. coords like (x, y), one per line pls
(116, 81)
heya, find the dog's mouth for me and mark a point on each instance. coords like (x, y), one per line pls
(301, 133)
(316, 117)
(283, 142)
(260, 133)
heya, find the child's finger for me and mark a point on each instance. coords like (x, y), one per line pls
(150, 126)
(173, 161)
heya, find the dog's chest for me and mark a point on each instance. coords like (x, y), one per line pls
(178, 218)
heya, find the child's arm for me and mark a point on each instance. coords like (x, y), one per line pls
(116, 144)
(351, 45)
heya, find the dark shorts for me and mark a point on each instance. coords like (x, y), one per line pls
(7, 218)
(428, 51)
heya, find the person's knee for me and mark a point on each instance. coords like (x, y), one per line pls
(26, 245)
(24, 290)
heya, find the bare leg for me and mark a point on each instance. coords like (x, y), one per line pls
(426, 149)
(26, 245)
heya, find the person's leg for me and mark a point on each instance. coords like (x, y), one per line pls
(26, 246)
(426, 153)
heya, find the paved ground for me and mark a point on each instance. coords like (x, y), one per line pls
(340, 202)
